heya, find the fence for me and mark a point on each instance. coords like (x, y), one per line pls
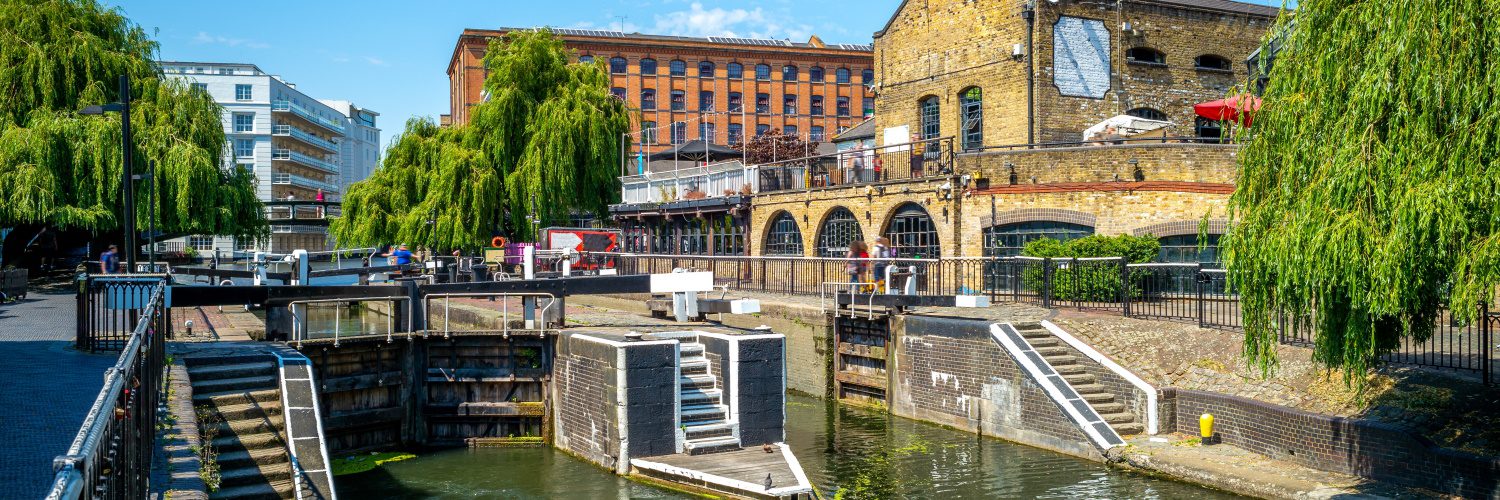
(111, 455)
(913, 160)
(1176, 292)
(110, 307)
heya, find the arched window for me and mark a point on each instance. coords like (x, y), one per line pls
(618, 65)
(1007, 240)
(762, 72)
(648, 66)
(706, 69)
(1208, 130)
(838, 230)
(586, 59)
(867, 76)
(1148, 113)
(677, 68)
(1145, 55)
(912, 233)
(1184, 249)
(971, 111)
(1212, 62)
(930, 126)
(734, 70)
(790, 73)
(815, 74)
(783, 236)
(841, 75)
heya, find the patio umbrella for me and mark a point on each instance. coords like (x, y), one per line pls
(1240, 109)
(697, 150)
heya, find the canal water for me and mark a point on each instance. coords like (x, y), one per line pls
(848, 453)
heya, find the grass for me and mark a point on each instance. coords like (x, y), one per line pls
(355, 464)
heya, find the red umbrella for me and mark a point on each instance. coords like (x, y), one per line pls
(1240, 109)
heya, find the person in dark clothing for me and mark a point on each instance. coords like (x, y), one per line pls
(109, 261)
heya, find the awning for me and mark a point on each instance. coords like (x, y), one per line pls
(1239, 109)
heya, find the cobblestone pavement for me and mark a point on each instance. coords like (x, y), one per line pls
(50, 388)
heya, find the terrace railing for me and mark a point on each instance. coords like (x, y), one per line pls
(891, 162)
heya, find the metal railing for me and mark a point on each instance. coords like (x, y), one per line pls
(891, 162)
(1129, 141)
(302, 316)
(297, 180)
(439, 317)
(304, 136)
(306, 114)
(111, 455)
(720, 179)
(110, 307)
(327, 166)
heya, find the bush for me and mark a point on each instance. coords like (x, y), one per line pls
(1093, 281)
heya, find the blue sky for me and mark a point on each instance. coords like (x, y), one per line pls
(392, 57)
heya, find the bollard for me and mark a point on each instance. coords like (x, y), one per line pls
(1206, 428)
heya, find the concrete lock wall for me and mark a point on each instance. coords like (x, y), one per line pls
(951, 372)
(651, 398)
(761, 390)
(585, 420)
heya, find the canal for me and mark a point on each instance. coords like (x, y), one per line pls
(848, 453)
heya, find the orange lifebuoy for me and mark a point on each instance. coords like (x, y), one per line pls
(497, 242)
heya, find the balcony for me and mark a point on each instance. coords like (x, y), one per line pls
(717, 180)
(275, 229)
(308, 161)
(286, 179)
(335, 126)
(305, 137)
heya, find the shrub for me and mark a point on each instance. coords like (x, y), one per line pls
(1093, 281)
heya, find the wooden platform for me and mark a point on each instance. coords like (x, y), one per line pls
(740, 473)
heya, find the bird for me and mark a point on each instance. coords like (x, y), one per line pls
(768, 482)
(766, 448)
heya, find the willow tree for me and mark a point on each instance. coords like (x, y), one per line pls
(1368, 195)
(61, 169)
(545, 143)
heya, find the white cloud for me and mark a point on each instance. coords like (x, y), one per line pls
(375, 61)
(204, 37)
(718, 21)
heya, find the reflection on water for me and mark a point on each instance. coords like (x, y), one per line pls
(849, 453)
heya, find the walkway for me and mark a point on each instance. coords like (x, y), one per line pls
(50, 387)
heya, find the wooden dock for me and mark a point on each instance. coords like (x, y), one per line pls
(741, 473)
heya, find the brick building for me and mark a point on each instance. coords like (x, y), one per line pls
(718, 89)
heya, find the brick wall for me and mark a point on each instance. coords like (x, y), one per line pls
(585, 404)
(1353, 446)
(953, 373)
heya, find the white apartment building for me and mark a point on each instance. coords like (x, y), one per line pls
(295, 145)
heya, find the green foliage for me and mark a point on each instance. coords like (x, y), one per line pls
(62, 169)
(547, 142)
(1092, 280)
(1366, 196)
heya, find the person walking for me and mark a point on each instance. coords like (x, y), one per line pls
(882, 254)
(858, 259)
(401, 256)
(109, 261)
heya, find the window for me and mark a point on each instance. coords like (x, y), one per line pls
(736, 102)
(734, 70)
(1210, 130)
(244, 148)
(618, 92)
(762, 72)
(815, 133)
(201, 87)
(868, 107)
(789, 105)
(226, 71)
(618, 65)
(707, 133)
(736, 133)
(1211, 62)
(706, 100)
(784, 237)
(648, 66)
(762, 103)
(244, 122)
(838, 229)
(729, 236)
(679, 132)
(789, 73)
(971, 113)
(679, 100)
(1007, 240)
(815, 74)
(677, 68)
(815, 105)
(867, 77)
(1184, 249)
(841, 75)
(1148, 113)
(706, 69)
(243, 244)
(242, 92)
(199, 242)
(586, 59)
(762, 129)
(789, 130)
(692, 237)
(248, 167)
(648, 132)
(648, 99)
(842, 103)
(1145, 55)
(931, 126)
(912, 233)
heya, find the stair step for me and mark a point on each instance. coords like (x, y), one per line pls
(1052, 351)
(1089, 388)
(1076, 379)
(232, 370)
(702, 381)
(1128, 429)
(224, 444)
(1040, 342)
(1117, 417)
(1098, 397)
(702, 446)
(231, 384)
(701, 431)
(1063, 360)
(701, 396)
(699, 413)
(1072, 369)
(251, 475)
(258, 491)
(259, 456)
(690, 349)
(695, 370)
(1104, 408)
(248, 411)
(270, 423)
(236, 397)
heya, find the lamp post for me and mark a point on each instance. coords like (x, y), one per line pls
(128, 217)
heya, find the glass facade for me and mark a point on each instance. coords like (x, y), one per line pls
(784, 237)
(1007, 240)
(912, 233)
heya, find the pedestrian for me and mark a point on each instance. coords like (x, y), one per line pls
(400, 256)
(882, 254)
(109, 261)
(320, 195)
(319, 199)
(918, 155)
(858, 259)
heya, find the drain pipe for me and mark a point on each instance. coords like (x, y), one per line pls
(1028, 12)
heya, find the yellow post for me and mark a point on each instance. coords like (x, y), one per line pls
(1206, 428)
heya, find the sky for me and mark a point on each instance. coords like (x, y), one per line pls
(392, 57)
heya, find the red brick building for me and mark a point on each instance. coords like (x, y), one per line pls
(723, 90)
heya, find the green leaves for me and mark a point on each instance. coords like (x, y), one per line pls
(546, 143)
(1366, 197)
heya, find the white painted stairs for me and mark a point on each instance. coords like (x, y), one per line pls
(705, 419)
(1086, 385)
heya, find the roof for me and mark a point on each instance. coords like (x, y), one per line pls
(865, 130)
(1227, 6)
(759, 42)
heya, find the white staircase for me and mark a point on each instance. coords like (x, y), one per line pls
(706, 425)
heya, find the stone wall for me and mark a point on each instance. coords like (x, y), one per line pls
(585, 419)
(951, 372)
(761, 393)
(1354, 446)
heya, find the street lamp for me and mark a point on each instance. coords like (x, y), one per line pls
(128, 217)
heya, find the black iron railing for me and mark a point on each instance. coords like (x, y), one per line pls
(111, 455)
(109, 308)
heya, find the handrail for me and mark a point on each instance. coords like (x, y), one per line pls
(299, 321)
(504, 309)
(763, 257)
(1100, 142)
(299, 110)
(299, 474)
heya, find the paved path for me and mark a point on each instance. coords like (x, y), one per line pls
(49, 388)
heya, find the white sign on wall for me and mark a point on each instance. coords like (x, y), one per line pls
(1080, 57)
(897, 135)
